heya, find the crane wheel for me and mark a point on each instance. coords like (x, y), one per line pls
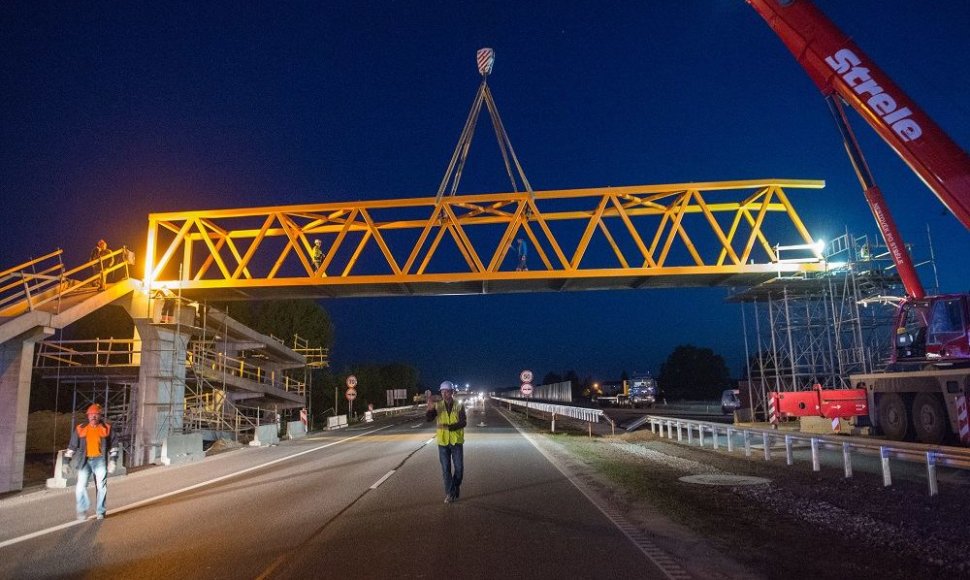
(893, 417)
(929, 418)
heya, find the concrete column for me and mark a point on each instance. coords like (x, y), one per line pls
(160, 394)
(16, 364)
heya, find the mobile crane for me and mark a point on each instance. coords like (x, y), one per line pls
(923, 393)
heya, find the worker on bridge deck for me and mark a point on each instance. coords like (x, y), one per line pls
(105, 260)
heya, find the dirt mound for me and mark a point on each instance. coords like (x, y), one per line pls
(48, 431)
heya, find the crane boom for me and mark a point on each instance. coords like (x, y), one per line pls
(838, 66)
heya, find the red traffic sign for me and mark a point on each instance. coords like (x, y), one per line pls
(526, 376)
(526, 389)
(351, 382)
(351, 394)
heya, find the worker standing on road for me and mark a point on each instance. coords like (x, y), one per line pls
(451, 438)
(93, 449)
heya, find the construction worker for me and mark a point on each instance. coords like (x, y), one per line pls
(451, 421)
(101, 253)
(316, 254)
(93, 450)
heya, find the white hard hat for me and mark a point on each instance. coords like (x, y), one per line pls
(446, 386)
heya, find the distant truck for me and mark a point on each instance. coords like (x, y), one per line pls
(639, 392)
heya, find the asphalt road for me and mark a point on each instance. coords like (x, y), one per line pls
(360, 503)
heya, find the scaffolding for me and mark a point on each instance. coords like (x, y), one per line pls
(820, 328)
(216, 401)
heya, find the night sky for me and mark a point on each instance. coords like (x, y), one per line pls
(108, 113)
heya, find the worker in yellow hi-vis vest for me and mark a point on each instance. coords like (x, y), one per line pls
(450, 436)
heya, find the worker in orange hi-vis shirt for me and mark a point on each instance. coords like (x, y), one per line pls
(93, 450)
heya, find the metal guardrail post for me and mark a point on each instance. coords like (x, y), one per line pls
(767, 444)
(700, 435)
(931, 472)
(789, 456)
(690, 434)
(714, 435)
(730, 440)
(816, 465)
(847, 459)
(680, 432)
(747, 443)
(887, 478)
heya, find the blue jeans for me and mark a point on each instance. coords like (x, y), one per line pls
(99, 467)
(448, 455)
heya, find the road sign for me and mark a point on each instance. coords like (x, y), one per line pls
(351, 394)
(526, 389)
(351, 382)
(526, 376)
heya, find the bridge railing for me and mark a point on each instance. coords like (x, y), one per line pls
(202, 355)
(98, 353)
(39, 281)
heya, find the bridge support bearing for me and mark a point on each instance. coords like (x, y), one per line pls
(16, 364)
(160, 394)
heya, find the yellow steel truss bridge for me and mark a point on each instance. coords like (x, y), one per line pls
(733, 233)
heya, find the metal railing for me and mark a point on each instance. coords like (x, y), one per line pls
(202, 356)
(930, 456)
(25, 287)
(98, 352)
(581, 413)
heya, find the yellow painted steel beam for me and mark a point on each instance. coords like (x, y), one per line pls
(716, 232)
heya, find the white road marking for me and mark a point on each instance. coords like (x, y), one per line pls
(144, 502)
(383, 479)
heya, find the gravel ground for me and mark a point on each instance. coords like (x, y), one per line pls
(801, 524)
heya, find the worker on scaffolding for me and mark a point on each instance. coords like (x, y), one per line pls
(105, 260)
(93, 450)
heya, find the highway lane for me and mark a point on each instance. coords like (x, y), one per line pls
(333, 509)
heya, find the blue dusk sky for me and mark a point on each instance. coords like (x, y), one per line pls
(110, 111)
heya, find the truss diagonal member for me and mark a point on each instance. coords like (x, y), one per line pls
(716, 227)
(338, 241)
(371, 227)
(163, 261)
(223, 238)
(422, 238)
(298, 242)
(464, 242)
(213, 249)
(756, 224)
(505, 242)
(622, 213)
(594, 219)
(796, 221)
(536, 215)
(253, 246)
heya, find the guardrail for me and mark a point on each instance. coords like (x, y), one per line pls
(931, 457)
(582, 413)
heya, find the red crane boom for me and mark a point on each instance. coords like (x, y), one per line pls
(841, 70)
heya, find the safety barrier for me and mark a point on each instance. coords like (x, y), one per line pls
(931, 457)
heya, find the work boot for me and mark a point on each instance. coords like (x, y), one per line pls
(449, 499)
(81, 516)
